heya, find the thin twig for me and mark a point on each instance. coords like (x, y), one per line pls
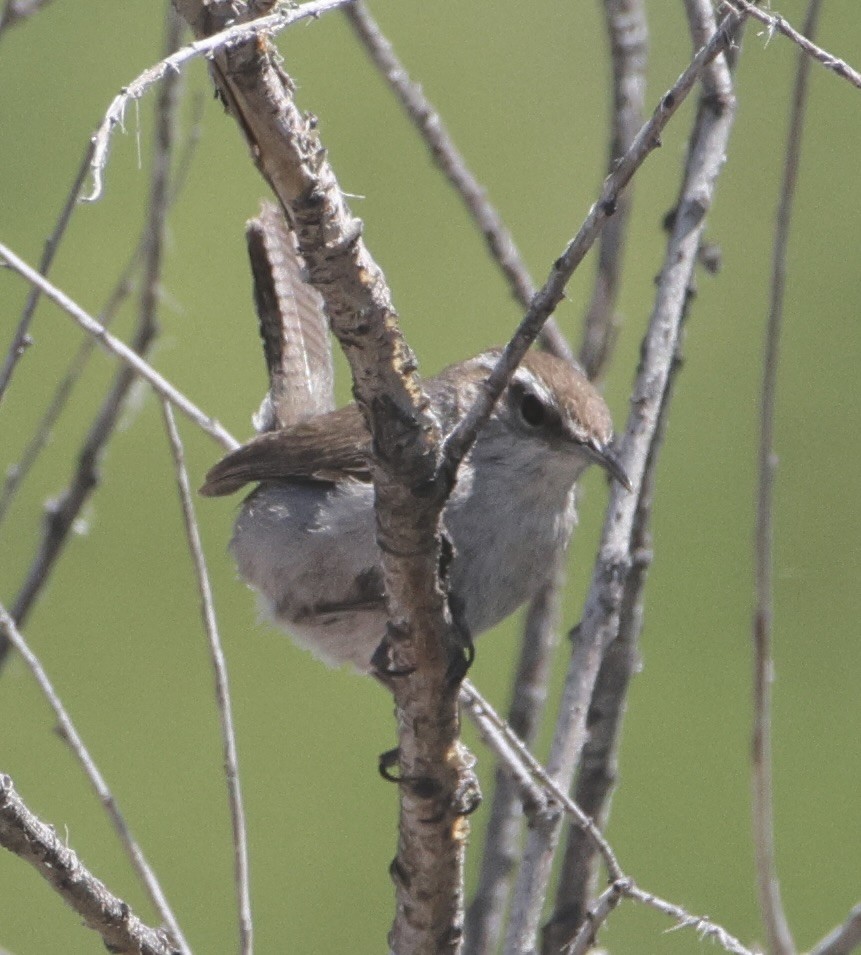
(21, 340)
(625, 22)
(508, 749)
(777, 24)
(122, 351)
(62, 513)
(222, 688)
(627, 31)
(76, 744)
(604, 603)
(484, 921)
(35, 842)
(17, 473)
(262, 27)
(422, 113)
(545, 301)
(523, 764)
(844, 939)
(771, 907)
(701, 924)
(479, 707)
(597, 915)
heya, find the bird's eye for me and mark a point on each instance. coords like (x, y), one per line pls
(532, 410)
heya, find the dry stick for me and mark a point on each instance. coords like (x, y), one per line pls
(596, 777)
(597, 915)
(542, 619)
(777, 24)
(545, 301)
(21, 339)
(528, 771)
(777, 928)
(438, 786)
(232, 36)
(484, 920)
(61, 514)
(17, 473)
(481, 711)
(222, 688)
(844, 939)
(702, 925)
(600, 622)
(598, 765)
(70, 735)
(627, 30)
(422, 113)
(122, 351)
(31, 839)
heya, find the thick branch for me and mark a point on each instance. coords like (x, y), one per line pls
(37, 843)
(437, 787)
(70, 735)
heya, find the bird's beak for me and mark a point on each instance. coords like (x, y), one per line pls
(606, 457)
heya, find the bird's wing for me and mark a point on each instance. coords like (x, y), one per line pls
(329, 448)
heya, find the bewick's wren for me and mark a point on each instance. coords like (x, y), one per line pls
(305, 538)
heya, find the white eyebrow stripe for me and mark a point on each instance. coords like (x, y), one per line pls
(524, 377)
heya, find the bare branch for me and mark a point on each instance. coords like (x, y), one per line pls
(222, 689)
(21, 340)
(546, 300)
(240, 33)
(120, 350)
(500, 242)
(76, 744)
(29, 838)
(771, 907)
(777, 24)
(480, 709)
(703, 926)
(437, 786)
(484, 920)
(17, 473)
(597, 915)
(626, 27)
(601, 618)
(61, 514)
(844, 939)
(514, 754)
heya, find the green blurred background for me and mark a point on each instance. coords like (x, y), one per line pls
(524, 91)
